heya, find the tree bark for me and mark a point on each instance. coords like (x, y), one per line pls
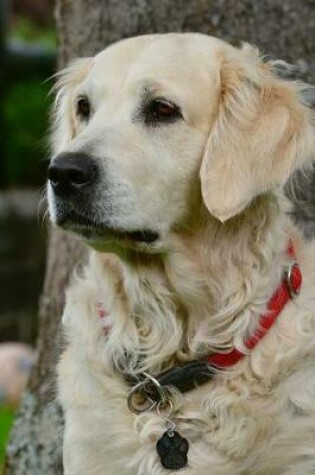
(281, 28)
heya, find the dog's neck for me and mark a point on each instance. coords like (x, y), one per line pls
(208, 292)
(224, 270)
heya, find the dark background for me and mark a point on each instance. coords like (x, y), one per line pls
(27, 60)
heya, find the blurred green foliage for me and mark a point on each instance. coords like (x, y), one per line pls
(25, 114)
(27, 31)
(25, 110)
(6, 419)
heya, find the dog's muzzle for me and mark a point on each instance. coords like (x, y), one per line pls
(74, 180)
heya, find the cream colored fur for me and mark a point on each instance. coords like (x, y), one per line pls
(202, 287)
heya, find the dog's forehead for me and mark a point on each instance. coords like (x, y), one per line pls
(174, 57)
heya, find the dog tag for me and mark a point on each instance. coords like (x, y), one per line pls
(172, 449)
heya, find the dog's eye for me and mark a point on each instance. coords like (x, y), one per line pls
(83, 108)
(162, 110)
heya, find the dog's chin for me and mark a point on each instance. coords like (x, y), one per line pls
(104, 237)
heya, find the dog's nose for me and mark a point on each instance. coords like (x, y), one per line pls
(71, 172)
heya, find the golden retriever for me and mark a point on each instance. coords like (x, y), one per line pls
(170, 157)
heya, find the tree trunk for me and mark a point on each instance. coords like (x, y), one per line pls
(282, 28)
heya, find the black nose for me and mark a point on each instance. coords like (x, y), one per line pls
(71, 172)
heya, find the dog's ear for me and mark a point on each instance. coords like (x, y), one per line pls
(261, 134)
(63, 120)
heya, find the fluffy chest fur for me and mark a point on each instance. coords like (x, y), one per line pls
(241, 422)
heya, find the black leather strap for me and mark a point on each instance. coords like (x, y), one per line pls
(184, 378)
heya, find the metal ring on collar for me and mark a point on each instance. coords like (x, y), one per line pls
(140, 390)
(157, 386)
(288, 277)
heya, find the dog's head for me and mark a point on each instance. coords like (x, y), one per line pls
(155, 128)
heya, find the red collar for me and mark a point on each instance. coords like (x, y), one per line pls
(287, 290)
(187, 376)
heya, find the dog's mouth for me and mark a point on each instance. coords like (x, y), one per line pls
(93, 230)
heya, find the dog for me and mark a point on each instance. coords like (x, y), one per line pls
(191, 330)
